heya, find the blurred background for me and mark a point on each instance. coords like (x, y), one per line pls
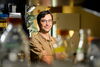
(69, 16)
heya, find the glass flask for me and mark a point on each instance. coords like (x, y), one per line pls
(62, 48)
(94, 52)
(80, 50)
(15, 43)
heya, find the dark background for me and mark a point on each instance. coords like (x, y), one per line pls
(92, 4)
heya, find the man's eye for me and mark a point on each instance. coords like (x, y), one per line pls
(49, 20)
(43, 20)
(46, 20)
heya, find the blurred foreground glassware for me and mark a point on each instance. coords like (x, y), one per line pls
(80, 49)
(63, 49)
(3, 24)
(14, 43)
(94, 52)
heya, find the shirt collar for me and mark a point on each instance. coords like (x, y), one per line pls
(49, 40)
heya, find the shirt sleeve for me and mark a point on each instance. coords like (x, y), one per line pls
(35, 47)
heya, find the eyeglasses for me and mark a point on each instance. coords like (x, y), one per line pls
(50, 20)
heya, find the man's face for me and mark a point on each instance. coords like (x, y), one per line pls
(46, 23)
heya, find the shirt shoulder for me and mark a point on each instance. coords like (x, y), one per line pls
(35, 36)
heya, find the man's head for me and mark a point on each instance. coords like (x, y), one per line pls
(45, 21)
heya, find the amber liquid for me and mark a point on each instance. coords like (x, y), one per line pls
(15, 21)
(63, 32)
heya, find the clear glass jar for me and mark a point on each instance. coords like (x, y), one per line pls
(63, 49)
(15, 43)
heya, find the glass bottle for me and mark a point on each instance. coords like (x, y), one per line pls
(94, 52)
(15, 43)
(62, 48)
(80, 49)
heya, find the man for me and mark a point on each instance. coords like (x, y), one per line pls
(41, 43)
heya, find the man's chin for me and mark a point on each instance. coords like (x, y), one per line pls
(46, 31)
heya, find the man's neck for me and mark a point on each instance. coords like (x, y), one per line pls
(45, 35)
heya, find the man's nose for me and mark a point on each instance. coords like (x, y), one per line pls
(47, 23)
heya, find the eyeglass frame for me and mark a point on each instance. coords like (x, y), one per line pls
(45, 21)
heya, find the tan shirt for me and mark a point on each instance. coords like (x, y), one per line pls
(39, 44)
